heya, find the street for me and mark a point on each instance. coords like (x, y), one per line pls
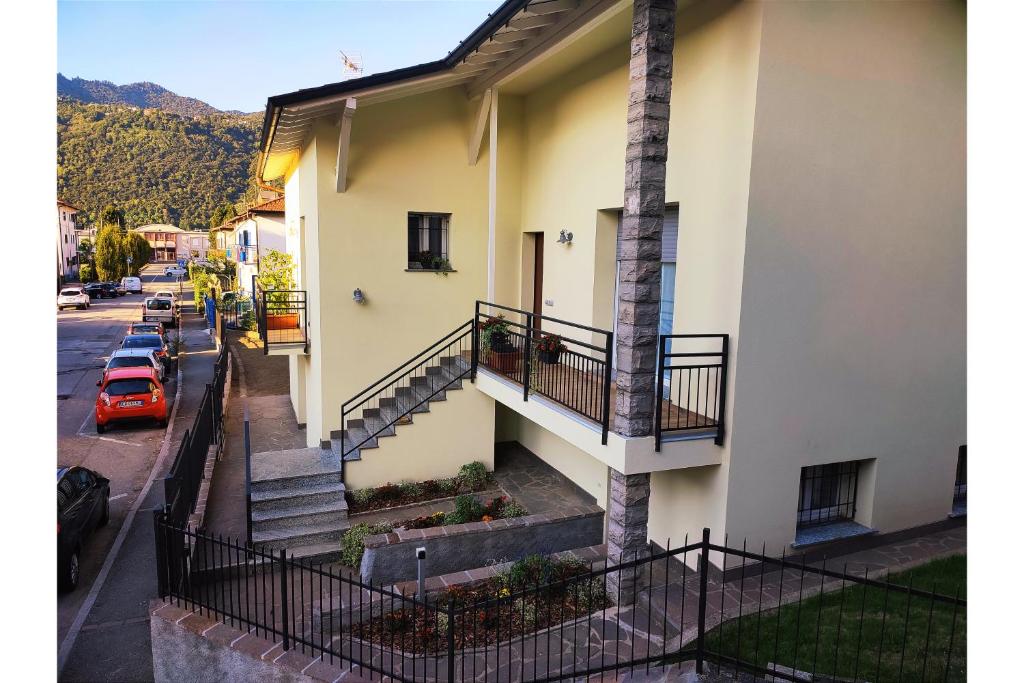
(125, 454)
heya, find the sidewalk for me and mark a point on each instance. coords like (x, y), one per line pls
(261, 383)
(114, 642)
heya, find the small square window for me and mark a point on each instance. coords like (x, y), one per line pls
(828, 493)
(428, 241)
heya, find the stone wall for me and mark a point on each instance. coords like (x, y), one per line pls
(390, 558)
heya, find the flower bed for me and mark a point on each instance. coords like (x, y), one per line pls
(535, 593)
(467, 509)
(472, 478)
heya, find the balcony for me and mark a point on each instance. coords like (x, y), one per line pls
(282, 321)
(243, 253)
(569, 367)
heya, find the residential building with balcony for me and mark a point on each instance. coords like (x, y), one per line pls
(747, 230)
(67, 243)
(252, 234)
(169, 242)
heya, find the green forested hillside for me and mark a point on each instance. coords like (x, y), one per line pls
(155, 166)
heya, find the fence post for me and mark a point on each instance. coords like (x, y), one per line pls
(607, 398)
(186, 442)
(476, 343)
(161, 552)
(213, 413)
(660, 394)
(720, 436)
(451, 643)
(527, 353)
(248, 476)
(284, 601)
(702, 603)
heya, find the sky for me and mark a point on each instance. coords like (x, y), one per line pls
(235, 54)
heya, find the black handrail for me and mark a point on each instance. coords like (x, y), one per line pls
(386, 387)
(572, 388)
(713, 415)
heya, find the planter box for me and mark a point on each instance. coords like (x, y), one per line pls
(392, 557)
(502, 361)
(282, 321)
(549, 357)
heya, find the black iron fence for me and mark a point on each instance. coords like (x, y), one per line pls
(407, 389)
(692, 374)
(555, 619)
(181, 485)
(574, 371)
(281, 317)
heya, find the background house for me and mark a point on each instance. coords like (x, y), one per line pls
(67, 243)
(812, 210)
(252, 234)
(163, 240)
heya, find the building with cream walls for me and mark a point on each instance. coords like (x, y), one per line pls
(813, 232)
(67, 243)
(250, 235)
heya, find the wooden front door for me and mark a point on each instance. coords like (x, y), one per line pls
(538, 277)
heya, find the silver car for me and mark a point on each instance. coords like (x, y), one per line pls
(131, 358)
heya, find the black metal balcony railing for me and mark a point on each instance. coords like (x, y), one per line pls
(691, 385)
(570, 371)
(281, 317)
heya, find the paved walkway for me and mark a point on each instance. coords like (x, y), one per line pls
(114, 643)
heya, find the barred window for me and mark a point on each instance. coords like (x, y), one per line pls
(428, 241)
(828, 493)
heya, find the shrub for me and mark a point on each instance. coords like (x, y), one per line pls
(409, 490)
(473, 476)
(86, 273)
(449, 487)
(467, 509)
(512, 509)
(362, 497)
(352, 541)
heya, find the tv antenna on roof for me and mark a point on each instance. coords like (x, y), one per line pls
(351, 65)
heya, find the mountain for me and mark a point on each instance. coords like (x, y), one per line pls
(173, 159)
(143, 95)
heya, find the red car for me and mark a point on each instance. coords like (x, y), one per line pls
(130, 394)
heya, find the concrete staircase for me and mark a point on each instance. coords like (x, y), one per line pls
(298, 502)
(416, 393)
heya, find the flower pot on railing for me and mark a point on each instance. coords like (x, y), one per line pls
(549, 357)
(503, 359)
(282, 321)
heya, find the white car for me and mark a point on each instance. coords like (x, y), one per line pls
(174, 271)
(160, 310)
(166, 294)
(72, 297)
(132, 285)
(131, 358)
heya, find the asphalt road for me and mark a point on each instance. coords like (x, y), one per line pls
(124, 454)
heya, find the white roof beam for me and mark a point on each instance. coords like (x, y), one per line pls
(480, 124)
(344, 135)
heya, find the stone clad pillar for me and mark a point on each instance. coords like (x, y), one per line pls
(650, 88)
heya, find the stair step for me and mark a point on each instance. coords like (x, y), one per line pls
(318, 553)
(415, 396)
(304, 535)
(390, 409)
(356, 437)
(295, 516)
(297, 495)
(377, 424)
(300, 481)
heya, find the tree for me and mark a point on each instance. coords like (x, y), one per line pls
(109, 254)
(111, 215)
(135, 246)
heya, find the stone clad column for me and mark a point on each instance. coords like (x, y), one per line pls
(650, 87)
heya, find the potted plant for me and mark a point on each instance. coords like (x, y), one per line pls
(499, 353)
(277, 278)
(549, 348)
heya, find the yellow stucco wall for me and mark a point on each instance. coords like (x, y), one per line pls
(854, 284)
(456, 431)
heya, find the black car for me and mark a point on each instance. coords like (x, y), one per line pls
(95, 290)
(110, 290)
(83, 504)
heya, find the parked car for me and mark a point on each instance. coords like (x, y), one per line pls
(135, 358)
(132, 285)
(72, 297)
(153, 342)
(83, 504)
(95, 290)
(130, 394)
(146, 328)
(174, 271)
(167, 294)
(120, 288)
(110, 290)
(160, 310)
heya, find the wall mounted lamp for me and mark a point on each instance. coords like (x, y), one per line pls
(357, 296)
(564, 237)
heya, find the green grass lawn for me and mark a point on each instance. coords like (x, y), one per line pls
(806, 635)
